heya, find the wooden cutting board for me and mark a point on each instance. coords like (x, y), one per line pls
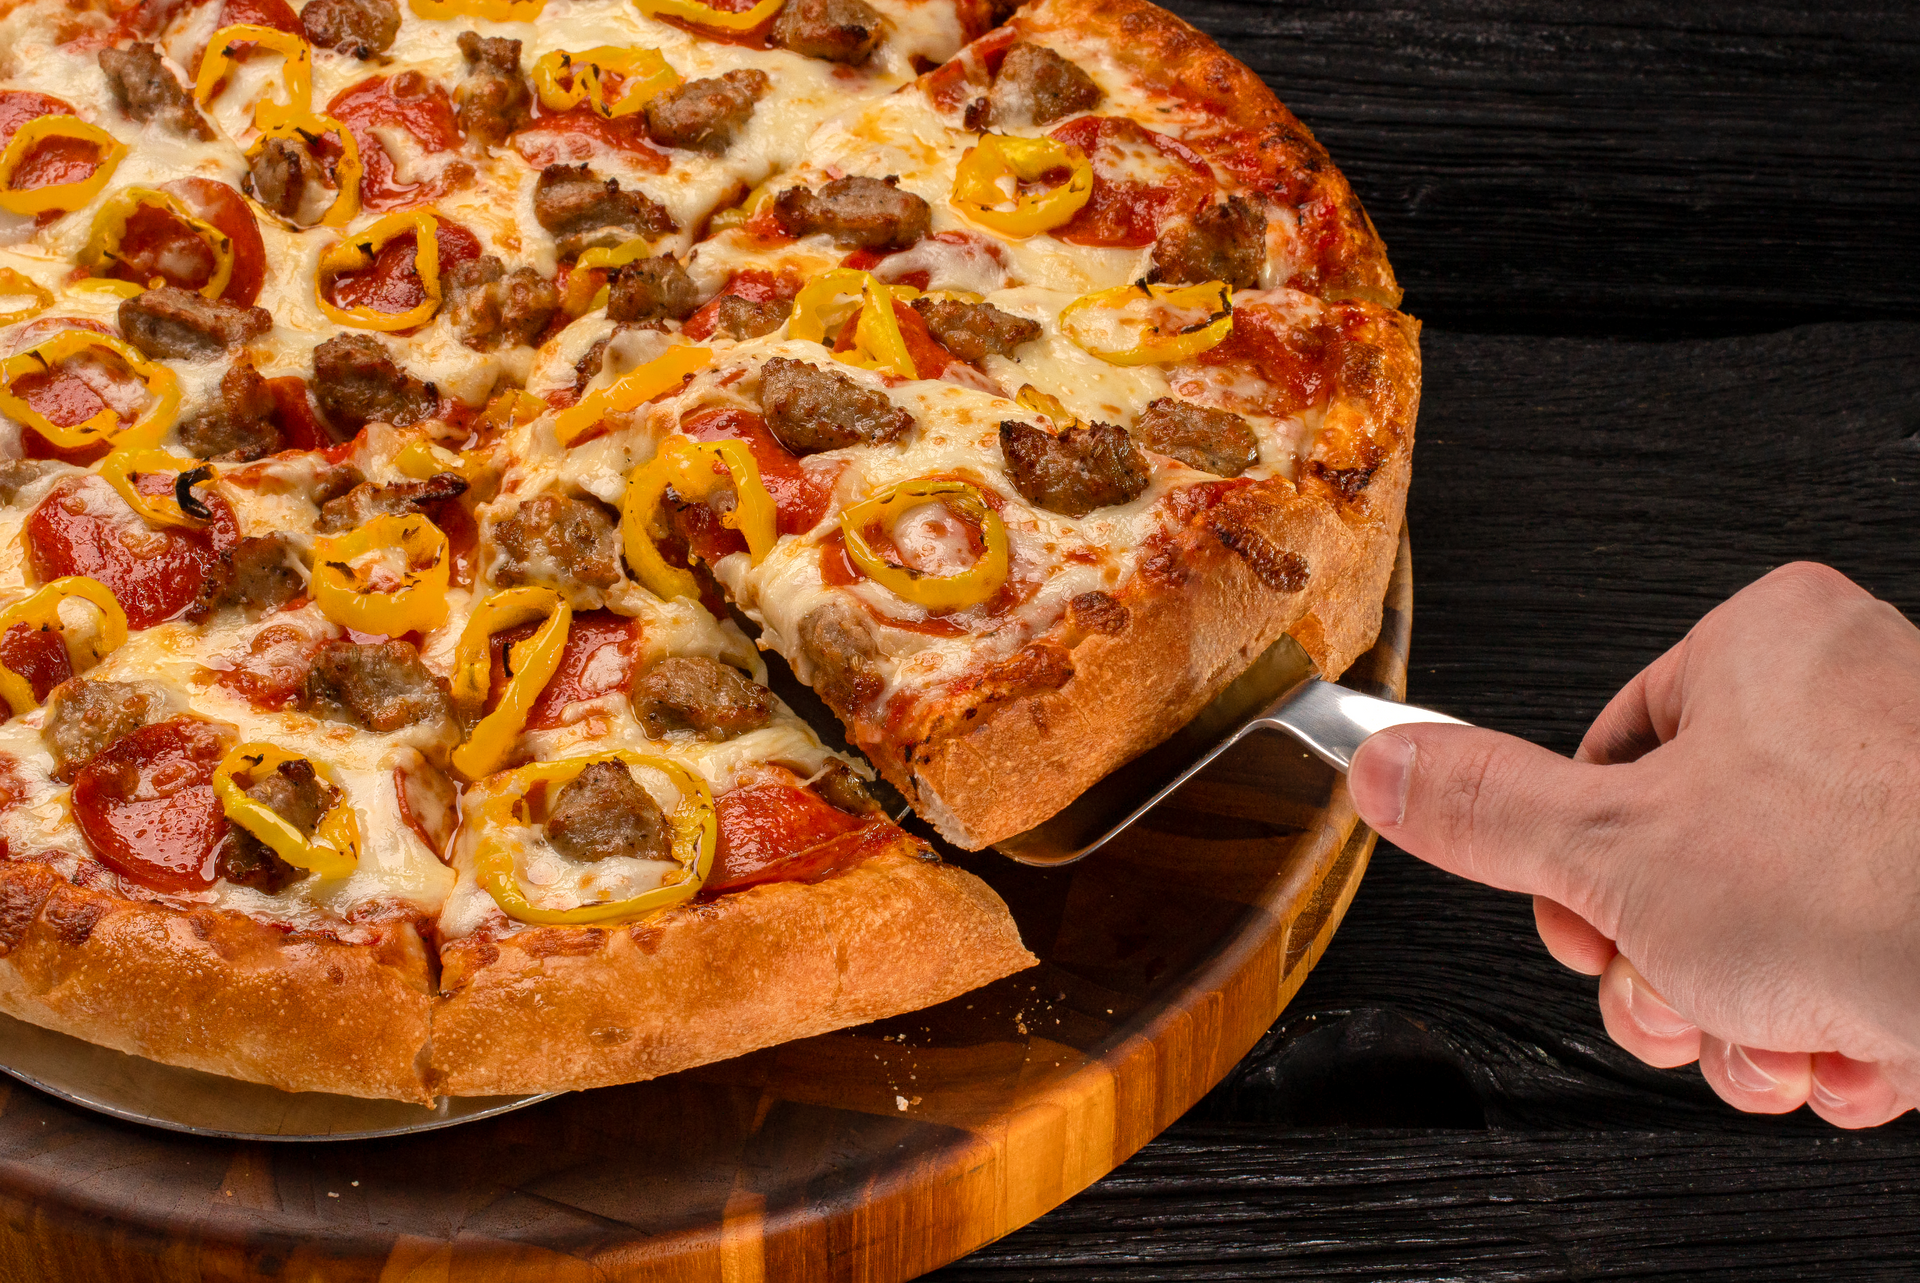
(875, 1153)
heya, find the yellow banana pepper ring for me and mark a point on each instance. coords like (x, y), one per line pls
(357, 253)
(703, 15)
(514, 408)
(41, 609)
(107, 285)
(530, 665)
(565, 80)
(296, 75)
(1044, 403)
(334, 849)
(309, 129)
(631, 390)
(986, 184)
(161, 383)
(694, 470)
(504, 807)
(957, 591)
(67, 196)
(345, 596)
(121, 467)
(1149, 315)
(19, 285)
(821, 309)
(491, 10)
(577, 302)
(102, 250)
(738, 215)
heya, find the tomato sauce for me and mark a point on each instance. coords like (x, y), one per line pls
(787, 833)
(406, 101)
(1122, 210)
(146, 807)
(84, 528)
(37, 654)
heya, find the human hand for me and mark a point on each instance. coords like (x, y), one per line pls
(1734, 850)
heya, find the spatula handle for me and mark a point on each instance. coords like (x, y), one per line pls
(1330, 721)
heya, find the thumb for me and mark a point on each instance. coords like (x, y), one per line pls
(1487, 806)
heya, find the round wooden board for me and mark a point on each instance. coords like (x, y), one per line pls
(876, 1153)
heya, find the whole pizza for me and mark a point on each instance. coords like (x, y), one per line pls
(416, 418)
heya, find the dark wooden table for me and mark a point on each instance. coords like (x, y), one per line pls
(1668, 258)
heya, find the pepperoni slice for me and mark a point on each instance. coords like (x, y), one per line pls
(416, 105)
(51, 161)
(786, 833)
(293, 412)
(581, 133)
(597, 660)
(37, 654)
(930, 359)
(274, 670)
(84, 528)
(390, 283)
(146, 807)
(160, 244)
(1140, 180)
(800, 496)
(73, 391)
(18, 106)
(277, 14)
(754, 285)
(1291, 366)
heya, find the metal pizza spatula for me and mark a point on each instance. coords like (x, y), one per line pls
(1278, 693)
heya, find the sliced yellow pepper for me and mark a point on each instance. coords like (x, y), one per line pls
(334, 849)
(504, 807)
(102, 250)
(419, 604)
(296, 75)
(309, 129)
(357, 253)
(738, 215)
(66, 196)
(1102, 322)
(957, 591)
(41, 609)
(107, 285)
(513, 408)
(565, 80)
(161, 383)
(491, 10)
(986, 184)
(19, 285)
(577, 301)
(1043, 403)
(530, 664)
(631, 390)
(121, 467)
(704, 15)
(695, 470)
(822, 308)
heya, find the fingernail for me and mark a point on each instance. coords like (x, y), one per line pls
(1825, 1095)
(1651, 1012)
(1383, 771)
(1744, 1074)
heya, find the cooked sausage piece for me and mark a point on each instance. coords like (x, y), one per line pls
(17, 474)
(295, 792)
(368, 500)
(331, 480)
(382, 686)
(257, 574)
(744, 318)
(706, 115)
(491, 307)
(811, 409)
(495, 98)
(653, 289)
(355, 382)
(835, 640)
(584, 211)
(184, 325)
(146, 91)
(855, 211)
(238, 427)
(1073, 473)
(359, 28)
(603, 812)
(843, 790)
(835, 30)
(1201, 437)
(1224, 242)
(84, 717)
(552, 539)
(1036, 86)
(698, 694)
(973, 331)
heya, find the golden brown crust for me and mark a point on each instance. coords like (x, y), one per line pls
(559, 1008)
(215, 990)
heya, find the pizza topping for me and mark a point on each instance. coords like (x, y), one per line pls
(706, 115)
(307, 171)
(145, 237)
(56, 162)
(855, 211)
(665, 373)
(694, 472)
(239, 427)
(1225, 242)
(230, 43)
(584, 211)
(1021, 187)
(490, 10)
(779, 832)
(875, 339)
(36, 651)
(382, 686)
(731, 20)
(493, 308)
(494, 99)
(694, 693)
(741, 318)
(1034, 86)
(839, 646)
(403, 128)
(613, 81)
(603, 813)
(356, 382)
(17, 474)
(559, 541)
(170, 502)
(386, 577)
(1144, 324)
(651, 289)
(257, 575)
(951, 546)
(81, 388)
(834, 30)
(530, 664)
(1142, 180)
(33, 297)
(387, 276)
(396, 499)
(84, 717)
(248, 861)
(1201, 437)
(841, 789)
(811, 409)
(146, 808)
(293, 807)
(1081, 469)
(800, 495)
(83, 528)
(358, 28)
(975, 331)
(181, 325)
(146, 91)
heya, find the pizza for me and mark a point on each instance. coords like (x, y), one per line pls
(417, 419)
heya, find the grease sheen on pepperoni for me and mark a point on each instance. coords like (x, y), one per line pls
(37, 654)
(146, 806)
(597, 660)
(1141, 180)
(84, 528)
(158, 243)
(411, 102)
(786, 833)
(391, 283)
